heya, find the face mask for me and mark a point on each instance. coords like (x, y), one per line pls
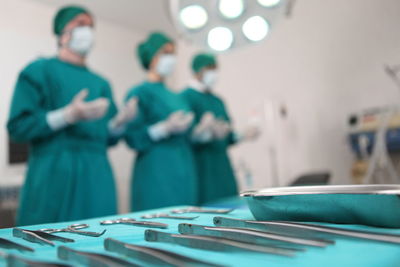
(82, 39)
(166, 64)
(209, 78)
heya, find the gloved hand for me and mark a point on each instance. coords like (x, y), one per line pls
(203, 132)
(80, 110)
(126, 114)
(251, 133)
(221, 129)
(176, 123)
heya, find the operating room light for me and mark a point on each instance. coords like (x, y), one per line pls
(269, 3)
(220, 38)
(231, 9)
(222, 25)
(193, 17)
(255, 28)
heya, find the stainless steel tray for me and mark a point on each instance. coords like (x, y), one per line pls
(375, 205)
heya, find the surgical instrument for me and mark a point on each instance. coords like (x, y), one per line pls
(8, 244)
(39, 237)
(91, 259)
(13, 260)
(167, 216)
(151, 255)
(74, 228)
(251, 236)
(201, 210)
(135, 223)
(307, 230)
(212, 243)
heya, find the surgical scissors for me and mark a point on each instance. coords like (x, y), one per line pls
(167, 216)
(136, 223)
(73, 228)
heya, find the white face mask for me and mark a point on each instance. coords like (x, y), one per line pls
(166, 64)
(82, 39)
(209, 78)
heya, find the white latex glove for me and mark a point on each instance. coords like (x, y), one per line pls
(126, 114)
(251, 133)
(79, 110)
(177, 122)
(221, 129)
(204, 130)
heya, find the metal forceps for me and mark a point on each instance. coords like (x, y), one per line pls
(136, 223)
(167, 216)
(74, 228)
(39, 237)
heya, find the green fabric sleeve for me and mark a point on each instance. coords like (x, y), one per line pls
(137, 133)
(190, 100)
(231, 139)
(27, 119)
(112, 112)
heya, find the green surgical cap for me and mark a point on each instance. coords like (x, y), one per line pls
(201, 61)
(149, 48)
(65, 15)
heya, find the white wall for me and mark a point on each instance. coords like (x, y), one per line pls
(323, 63)
(25, 30)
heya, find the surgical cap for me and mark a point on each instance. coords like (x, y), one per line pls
(65, 15)
(201, 61)
(149, 48)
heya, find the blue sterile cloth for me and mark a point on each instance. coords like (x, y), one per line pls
(343, 253)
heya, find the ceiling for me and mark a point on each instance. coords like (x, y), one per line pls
(140, 15)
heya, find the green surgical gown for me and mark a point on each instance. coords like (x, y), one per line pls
(69, 176)
(215, 174)
(164, 173)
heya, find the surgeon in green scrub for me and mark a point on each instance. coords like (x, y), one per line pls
(67, 115)
(164, 173)
(213, 133)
